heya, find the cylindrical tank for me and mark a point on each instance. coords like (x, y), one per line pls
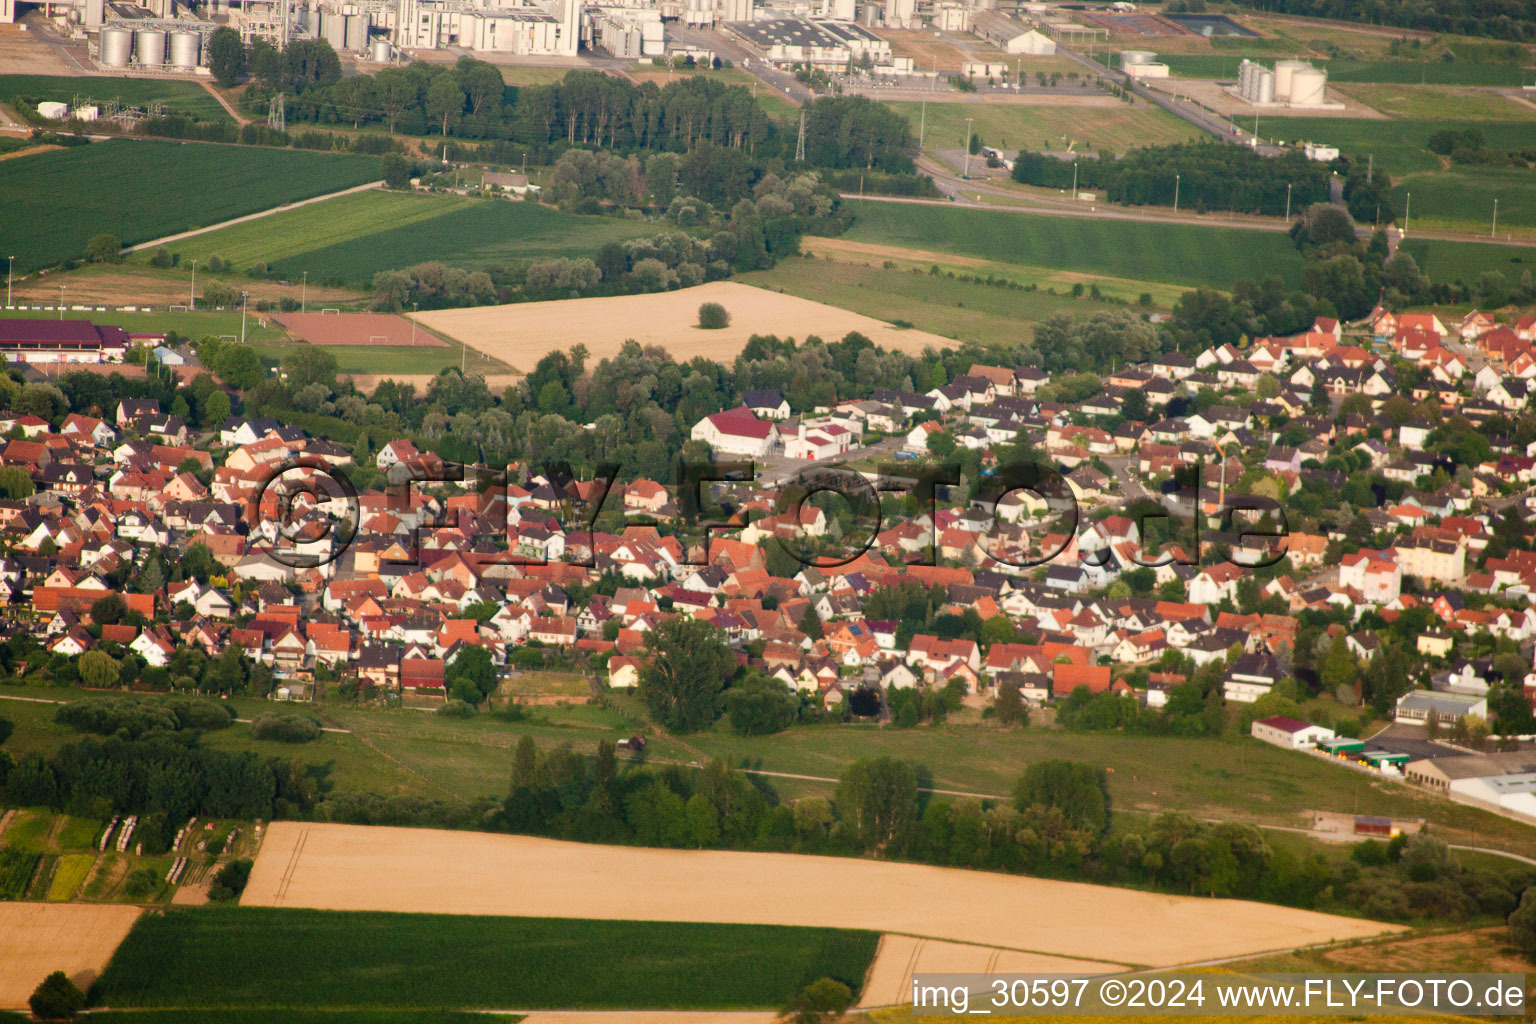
(1245, 79)
(1264, 87)
(381, 51)
(356, 32)
(336, 30)
(150, 44)
(1284, 70)
(1129, 57)
(186, 48)
(1307, 87)
(116, 46)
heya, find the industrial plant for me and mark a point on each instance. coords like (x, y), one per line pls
(1290, 83)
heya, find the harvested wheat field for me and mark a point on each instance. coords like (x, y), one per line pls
(901, 956)
(37, 939)
(353, 867)
(522, 333)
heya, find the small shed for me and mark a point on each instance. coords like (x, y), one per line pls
(1370, 825)
(1342, 746)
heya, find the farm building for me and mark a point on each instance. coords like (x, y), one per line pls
(736, 432)
(1513, 795)
(1011, 36)
(1290, 733)
(61, 341)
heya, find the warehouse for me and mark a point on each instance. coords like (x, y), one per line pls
(61, 341)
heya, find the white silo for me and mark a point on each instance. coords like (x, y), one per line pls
(1129, 57)
(186, 48)
(1308, 87)
(1264, 86)
(116, 46)
(382, 51)
(150, 43)
(1284, 70)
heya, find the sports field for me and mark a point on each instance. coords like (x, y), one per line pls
(39, 938)
(344, 867)
(177, 96)
(520, 334)
(1170, 253)
(192, 185)
(370, 329)
(1098, 123)
(326, 959)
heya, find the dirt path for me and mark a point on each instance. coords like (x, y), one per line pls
(229, 107)
(250, 217)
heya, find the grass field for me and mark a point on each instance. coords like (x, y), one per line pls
(956, 309)
(1168, 253)
(69, 875)
(1400, 146)
(79, 834)
(1224, 65)
(1112, 127)
(220, 323)
(1462, 198)
(308, 958)
(348, 242)
(389, 359)
(197, 184)
(29, 830)
(1425, 102)
(292, 233)
(1452, 261)
(16, 870)
(180, 97)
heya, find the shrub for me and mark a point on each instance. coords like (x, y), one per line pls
(104, 249)
(56, 998)
(824, 999)
(230, 881)
(286, 728)
(141, 883)
(457, 709)
(713, 316)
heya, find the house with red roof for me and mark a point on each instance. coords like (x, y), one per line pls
(736, 432)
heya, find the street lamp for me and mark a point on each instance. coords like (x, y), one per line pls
(1175, 193)
(304, 293)
(1493, 232)
(1287, 200)
(192, 291)
(967, 172)
(1407, 212)
(10, 272)
(61, 302)
(244, 301)
(415, 306)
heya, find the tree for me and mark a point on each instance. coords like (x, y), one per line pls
(238, 366)
(445, 100)
(473, 664)
(1010, 707)
(1075, 788)
(15, 483)
(56, 998)
(226, 56)
(99, 670)
(104, 248)
(877, 797)
(396, 170)
(1522, 923)
(525, 763)
(689, 666)
(1339, 667)
(713, 316)
(810, 623)
(216, 409)
(823, 999)
(760, 705)
(109, 610)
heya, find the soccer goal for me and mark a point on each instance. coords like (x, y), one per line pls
(324, 312)
(378, 339)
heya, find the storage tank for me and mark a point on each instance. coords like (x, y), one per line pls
(382, 51)
(116, 46)
(335, 30)
(356, 31)
(186, 48)
(1307, 87)
(1129, 57)
(150, 44)
(1264, 86)
(1245, 79)
(1284, 70)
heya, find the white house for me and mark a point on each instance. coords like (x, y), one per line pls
(736, 432)
(1290, 733)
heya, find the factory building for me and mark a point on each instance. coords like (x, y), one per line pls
(1011, 36)
(829, 45)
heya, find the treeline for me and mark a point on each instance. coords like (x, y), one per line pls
(165, 778)
(131, 717)
(1469, 146)
(1207, 176)
(1497, 19)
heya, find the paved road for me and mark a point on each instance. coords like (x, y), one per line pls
(251, 216)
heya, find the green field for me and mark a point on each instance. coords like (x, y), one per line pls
(79, 834)
(1452, 261)
(1168, 253)
(176, 96)
(963, 310)
(16, 870)
(1400, 146)
(1428, 102)
(271, 958)
(1114, 129)
(1463, 198)
(1403, 72)
(69, 875)
(292, 233)
(346, 244)
(401, 359)
(72, 191)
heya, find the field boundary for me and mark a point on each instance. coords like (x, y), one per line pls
(251, 216)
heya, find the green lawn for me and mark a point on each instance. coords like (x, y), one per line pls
(1115, 129)
(69, 875)
(176, 96)
(400, 359)
(1224, 65)
(268, 958)
(1465, 261)
(187, 185)
(1168, 253)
